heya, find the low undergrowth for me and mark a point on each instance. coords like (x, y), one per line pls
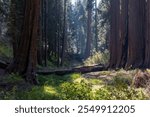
(71, 87)
(5, 51)
(97, 58)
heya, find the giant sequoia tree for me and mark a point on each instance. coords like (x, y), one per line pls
(24, 62)
(136, 33)
(114, 31)
(147, 36)
(119, 33)
(129, 34)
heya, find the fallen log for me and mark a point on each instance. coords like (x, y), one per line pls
(84, 69)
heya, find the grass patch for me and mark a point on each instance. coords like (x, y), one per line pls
(95, 81)
(55, 80)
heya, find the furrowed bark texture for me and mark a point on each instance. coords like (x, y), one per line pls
(26, 57)
(114, 32)
(129, 41)
(136, 33)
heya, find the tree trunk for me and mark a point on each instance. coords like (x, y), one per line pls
(123, 34)
(96, 30)
(136, 35)
(114, 32)
(84, 69)
(127, 43)
(26, 57)
(89, 29)
(147, 37)
(64, 38)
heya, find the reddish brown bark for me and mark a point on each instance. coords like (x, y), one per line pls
(26, 57)
(114, 32)
(127, 40)
(123, 34)
(136, 33)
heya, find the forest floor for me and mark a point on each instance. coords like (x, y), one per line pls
(105, 85)
(107, 76)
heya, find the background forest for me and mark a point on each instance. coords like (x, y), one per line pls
(74, 49)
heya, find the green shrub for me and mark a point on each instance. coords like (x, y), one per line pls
(102, 94)
(119, 88)
(76, 91)
(119, 92)
(121, 81)
(97, 58)
(95, 82)
(74, 76)
(112, 93)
